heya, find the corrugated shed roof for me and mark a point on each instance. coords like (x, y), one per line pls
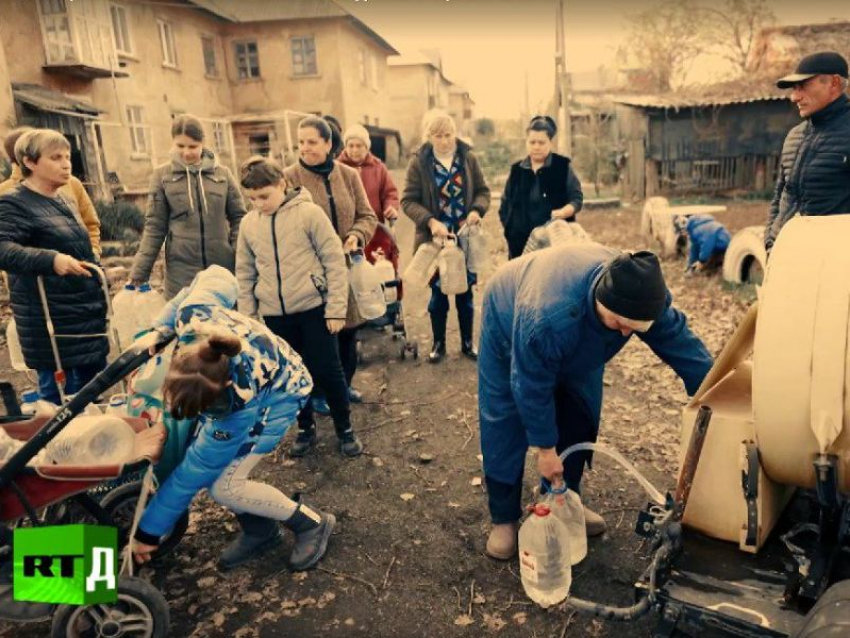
(721, 94)
(242, 11)
(50, 100)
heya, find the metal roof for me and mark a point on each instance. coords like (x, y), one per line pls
(53, 101)
(671, 102)
(242, 11)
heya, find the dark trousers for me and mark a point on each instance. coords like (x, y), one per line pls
(575, 425)
(308, 335)
(438, 307)
(75, 379)
(347, 340)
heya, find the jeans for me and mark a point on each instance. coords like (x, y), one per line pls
(234, 491)
(75, 379)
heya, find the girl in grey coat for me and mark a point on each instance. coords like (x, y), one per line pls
(194, 207)
(291, 271)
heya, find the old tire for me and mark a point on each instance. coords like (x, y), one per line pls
(652, 204)
(745, 256)
(140, 611)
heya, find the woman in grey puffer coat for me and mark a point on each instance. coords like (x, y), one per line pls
(195, 207)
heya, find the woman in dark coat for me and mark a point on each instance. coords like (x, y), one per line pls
(541, 187)
(42, 233)
(445, 190)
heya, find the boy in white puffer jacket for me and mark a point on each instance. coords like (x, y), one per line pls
(291, 272)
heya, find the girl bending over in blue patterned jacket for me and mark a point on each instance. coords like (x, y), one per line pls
(245, 386)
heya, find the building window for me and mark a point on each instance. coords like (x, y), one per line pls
(57, 31)
(361, 59)
(373, 71)
(219, 137)
(138, 131)
(260, 144)
(304, 56)
(166, 41)
(210, 62)
(247, 60)
(121, 29)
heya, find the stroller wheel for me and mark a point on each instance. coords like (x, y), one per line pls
(120, 506)
(140, 611)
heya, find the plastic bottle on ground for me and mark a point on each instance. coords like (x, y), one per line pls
(33, 406)
(366, 285)
(13, 343)
(452, 266)
(544, 557)
(568, 509)
(423, 265)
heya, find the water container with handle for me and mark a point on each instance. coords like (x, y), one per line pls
(16, 355)
(134, 310)
(386, 274)
(452, 266)
(423, 265)
(32, 405)
(473, 240)
(366, 286)
(567, 507)
(544, 556)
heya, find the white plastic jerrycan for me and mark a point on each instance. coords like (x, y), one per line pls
(386, 274)
(544, 556)
(452, 265)
(366, 285)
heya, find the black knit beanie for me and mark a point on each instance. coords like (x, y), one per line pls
(632, 286)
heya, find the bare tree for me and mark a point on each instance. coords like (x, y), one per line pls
(733, 28)
(665, 39)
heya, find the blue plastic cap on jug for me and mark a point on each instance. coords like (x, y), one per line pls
(356, 257)
(31, 396)
(146, 287)
(129, 287)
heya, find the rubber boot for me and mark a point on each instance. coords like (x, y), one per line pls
(438, 329)
(312, 531)
(259, 534)
(465, 320)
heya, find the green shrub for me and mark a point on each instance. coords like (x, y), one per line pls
(116, 218)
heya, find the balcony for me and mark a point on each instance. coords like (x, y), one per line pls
(78, 39)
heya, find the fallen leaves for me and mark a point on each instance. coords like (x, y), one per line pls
(464, 620)
(407, 496)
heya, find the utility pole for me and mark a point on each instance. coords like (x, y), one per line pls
(562, 83)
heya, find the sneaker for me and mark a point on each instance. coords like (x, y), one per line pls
(350, 445)
(320, 406)
(354, 396)
(304, 443)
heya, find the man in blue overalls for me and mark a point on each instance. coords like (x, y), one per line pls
(551, 320)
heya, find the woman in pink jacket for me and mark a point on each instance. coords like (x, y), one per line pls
(380, 189)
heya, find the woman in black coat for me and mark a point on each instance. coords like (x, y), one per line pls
(41, 233)
(541, 187)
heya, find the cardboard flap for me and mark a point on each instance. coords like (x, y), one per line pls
(736, 350)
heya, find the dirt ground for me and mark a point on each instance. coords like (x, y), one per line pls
(407, 558)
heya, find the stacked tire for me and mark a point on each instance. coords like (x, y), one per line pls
(745, 258)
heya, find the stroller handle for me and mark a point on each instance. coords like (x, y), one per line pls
(127, 362)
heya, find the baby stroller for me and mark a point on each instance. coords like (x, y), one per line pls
(384, 244)
(57, 494)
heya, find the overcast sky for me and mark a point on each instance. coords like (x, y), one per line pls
(489, 45)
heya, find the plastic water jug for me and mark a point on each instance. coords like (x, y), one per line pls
(366, 285)
(90, 410)
(32, 406)
(474, 243)
(16, 356)
(134, 311)
(538, 239)
(452, 266)
(423, 265)
(544, 557)
(117, 405)
(568, 509)
(386, 273)
(93, 441)
(561, 232)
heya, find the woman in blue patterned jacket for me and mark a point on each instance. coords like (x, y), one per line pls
(245, 386)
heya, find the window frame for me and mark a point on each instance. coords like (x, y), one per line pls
(304, 64)
(165, 29)
(139, 140)
(115, 7)
(213, 40)
(247, 57)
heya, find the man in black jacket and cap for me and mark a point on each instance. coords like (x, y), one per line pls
(814, 174)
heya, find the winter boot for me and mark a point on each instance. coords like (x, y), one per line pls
(438, 329)
(349, 444)
(465, 319)
(304, 442)
(258, 535)
(312, 532)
